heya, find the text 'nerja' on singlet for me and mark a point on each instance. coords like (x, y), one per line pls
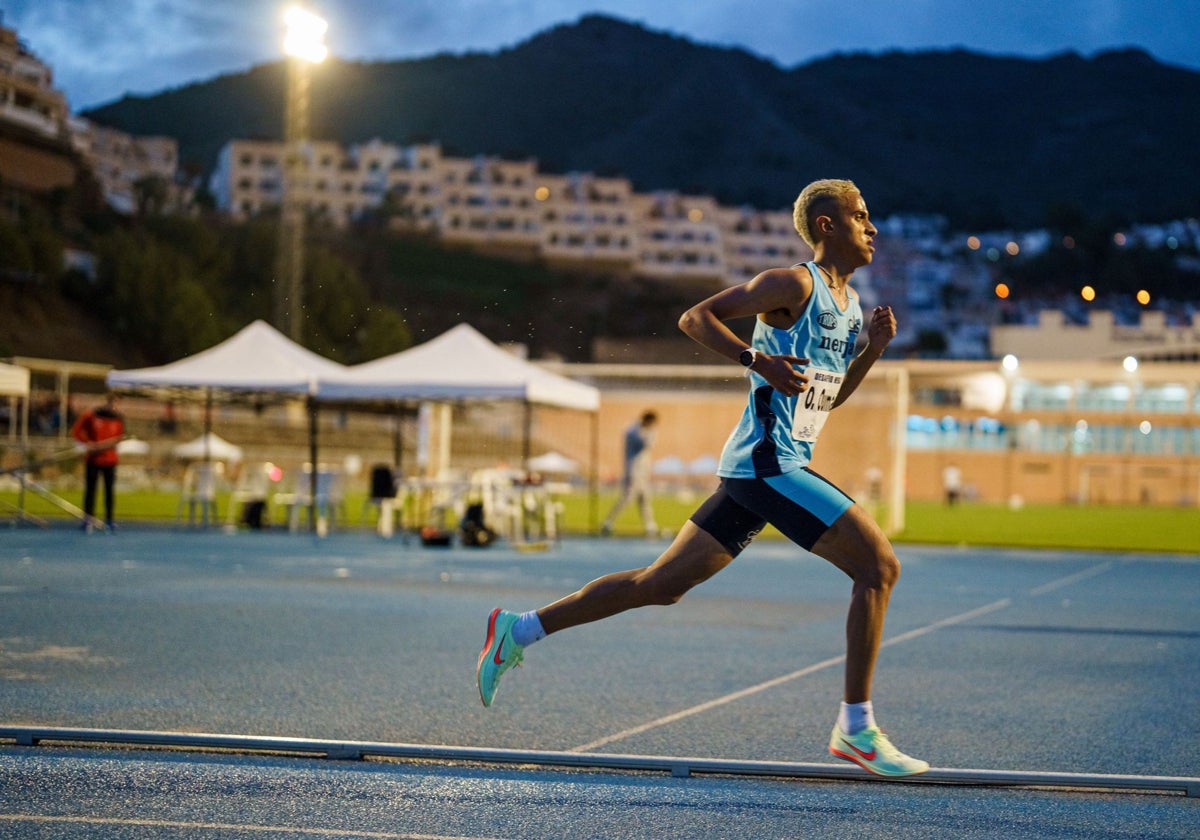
(776, 433)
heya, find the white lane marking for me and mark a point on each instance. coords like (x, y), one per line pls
(207, 826)
(763, 686)
(1069, 579)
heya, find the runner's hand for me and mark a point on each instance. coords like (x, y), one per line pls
(882, 328)
(783, 373)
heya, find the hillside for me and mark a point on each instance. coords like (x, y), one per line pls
(987, 140)
(42, 323)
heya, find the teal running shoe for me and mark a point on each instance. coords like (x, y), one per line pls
(499, 653)
(871, 750)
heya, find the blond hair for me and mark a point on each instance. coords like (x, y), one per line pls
(813, 195)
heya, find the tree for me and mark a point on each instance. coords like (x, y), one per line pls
(150, 195)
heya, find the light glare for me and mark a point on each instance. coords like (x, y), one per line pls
(305, 37)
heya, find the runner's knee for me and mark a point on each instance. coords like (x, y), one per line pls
(878, 569)
(885, 569)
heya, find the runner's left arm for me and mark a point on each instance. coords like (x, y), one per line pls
(880, 332)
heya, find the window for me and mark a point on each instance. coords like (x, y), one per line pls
(1112, 397)
(1162, 398)
(1037, 395)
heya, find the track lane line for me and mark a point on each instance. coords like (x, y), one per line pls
(1075, 578)
(771, 683)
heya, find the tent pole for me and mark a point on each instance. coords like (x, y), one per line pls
(312, 458)
(65, 413)
(527, 445)
(398, 439)
(208, 404)
(593, 478)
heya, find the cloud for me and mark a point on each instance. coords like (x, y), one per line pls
(103, 48)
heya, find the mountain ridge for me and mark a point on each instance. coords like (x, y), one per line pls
(989, 141)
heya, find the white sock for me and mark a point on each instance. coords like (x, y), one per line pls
(528, 629)
(855, 717)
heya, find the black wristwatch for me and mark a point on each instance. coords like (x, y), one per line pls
(748, 357)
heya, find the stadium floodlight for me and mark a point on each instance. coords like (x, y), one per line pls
(305, 36)
(304, 45)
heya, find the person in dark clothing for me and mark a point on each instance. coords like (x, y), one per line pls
(100, 430)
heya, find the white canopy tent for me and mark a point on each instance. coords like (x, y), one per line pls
(257, 361)
(208, 446)
(553, 462)
(461, 365)
(14, 384)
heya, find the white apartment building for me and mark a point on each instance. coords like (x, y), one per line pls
(27, 94)
(586, 217)
(757, 239)
(488, 201)
(508, 205)
(35, 155)
(678, 237)
(38, 154)
(120, 160)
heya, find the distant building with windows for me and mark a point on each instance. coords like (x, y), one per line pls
(1099, 430)
(1101, 337)
(35, 155)
(1039, 432)
(27, 94)
(121, 161)
(510, 206)
(43, 147)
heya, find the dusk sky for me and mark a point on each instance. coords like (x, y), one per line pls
(101, 49)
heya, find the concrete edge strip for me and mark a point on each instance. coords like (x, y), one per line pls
(675, 765)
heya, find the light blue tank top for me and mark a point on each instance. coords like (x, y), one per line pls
(776, 434)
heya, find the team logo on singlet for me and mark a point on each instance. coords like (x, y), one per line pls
(828, 320)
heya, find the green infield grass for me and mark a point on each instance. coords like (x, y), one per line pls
(1158, 529)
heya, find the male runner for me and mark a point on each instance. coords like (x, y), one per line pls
(801, 365)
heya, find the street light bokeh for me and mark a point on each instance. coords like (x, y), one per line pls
(304, 45)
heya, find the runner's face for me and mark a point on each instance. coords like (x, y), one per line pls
(853, 231)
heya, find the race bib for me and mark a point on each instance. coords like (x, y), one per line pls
(814, 405)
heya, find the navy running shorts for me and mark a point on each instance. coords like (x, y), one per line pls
(800, 503)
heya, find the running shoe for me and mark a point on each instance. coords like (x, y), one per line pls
(871, 750)
(499, 653)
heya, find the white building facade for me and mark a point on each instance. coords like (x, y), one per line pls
(27, 94)
(120, 161)
(509, 205)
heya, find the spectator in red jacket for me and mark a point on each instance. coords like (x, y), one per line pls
(100, 430)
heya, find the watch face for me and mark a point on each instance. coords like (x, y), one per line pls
(747, 357)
